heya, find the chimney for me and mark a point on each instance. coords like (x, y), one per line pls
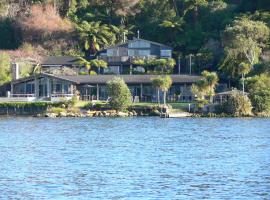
(138, 32)
(15, 71)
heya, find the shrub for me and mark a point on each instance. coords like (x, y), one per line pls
(56, 110)
(119, 93)
(261, 99)
(259, 89)
(238, 105)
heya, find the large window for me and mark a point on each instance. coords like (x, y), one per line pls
(144, 52)
(112, 70)
(166, 53)
(112, 52)
(30, 88)
(139, 44)
(132, 52)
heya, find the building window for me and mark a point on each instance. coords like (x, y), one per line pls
(112, 52)
(131, 52)
(139, 44)
(144, 52)
(30, 88)
(166, 53)
(112, 70)
(66, 89)
(58, 88)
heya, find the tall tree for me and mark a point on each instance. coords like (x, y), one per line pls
(244, 69)
(5, 72)
(206, 86)
(95, 36)
(243, 41)
(163, 83)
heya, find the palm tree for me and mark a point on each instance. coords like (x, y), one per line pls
(95, 36)
(166, 84)
(157, 83)
(122, 32)
(88, 64)
(206, 86)
(164, 65)
(244, 68)
(163, 83)
(211, 79)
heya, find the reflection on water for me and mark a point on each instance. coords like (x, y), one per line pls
(135, 158)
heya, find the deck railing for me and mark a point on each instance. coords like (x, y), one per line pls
(61, 95)
(22, 95)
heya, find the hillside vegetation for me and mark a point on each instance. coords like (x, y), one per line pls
(230, 37)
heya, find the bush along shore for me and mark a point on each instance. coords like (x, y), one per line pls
(71, 109)
(101, 110)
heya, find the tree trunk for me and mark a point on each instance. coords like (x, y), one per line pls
(243, 83)
(158, 97)
(164, 97)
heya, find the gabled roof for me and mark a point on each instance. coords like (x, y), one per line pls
(139, 39)
(60, 61)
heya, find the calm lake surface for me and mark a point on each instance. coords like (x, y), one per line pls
(134, 158)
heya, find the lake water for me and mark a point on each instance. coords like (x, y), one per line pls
(134, 158)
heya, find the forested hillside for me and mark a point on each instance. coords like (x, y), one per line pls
(214, 33)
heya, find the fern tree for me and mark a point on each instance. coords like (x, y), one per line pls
(95, 36)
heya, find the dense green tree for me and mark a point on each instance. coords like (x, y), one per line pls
(243, 41)
(238, 105)
(5, 72)
(259, 92)
(119, 93)
(10, 35)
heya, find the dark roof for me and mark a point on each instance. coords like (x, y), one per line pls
(230, 92)
(60, 61)
(103, 79)
(135, 39)
(129, 79)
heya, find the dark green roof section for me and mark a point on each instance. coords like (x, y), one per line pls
(129, 79)
(60, 61)
(138, 39)
(103, 79)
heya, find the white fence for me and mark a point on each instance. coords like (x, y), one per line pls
(32, 97)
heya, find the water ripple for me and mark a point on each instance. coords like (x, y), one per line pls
(134, 158)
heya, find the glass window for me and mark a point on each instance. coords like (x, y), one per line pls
(58, 88)
(112, 52)
(139, 44)
(131, 52)
(166, 53)
(30, 88)
(112, 70)
(65, 89)
(144, 52)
